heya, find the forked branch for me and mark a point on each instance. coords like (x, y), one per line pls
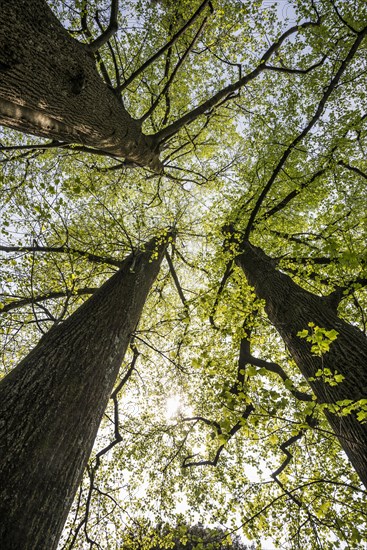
(110, 31)
(165, 90)
(217, 98)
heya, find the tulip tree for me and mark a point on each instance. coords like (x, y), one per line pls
(241, 128)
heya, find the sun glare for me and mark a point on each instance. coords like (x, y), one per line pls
(172, 406)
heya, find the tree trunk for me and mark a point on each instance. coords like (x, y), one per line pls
(290, 308)
(52, 403)
(50, 87)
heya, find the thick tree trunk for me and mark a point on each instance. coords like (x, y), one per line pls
(52, 403)
(50, 87)
(290, 308)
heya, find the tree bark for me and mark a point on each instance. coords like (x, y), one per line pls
(290, 308)
(50, 87)
(52, 403)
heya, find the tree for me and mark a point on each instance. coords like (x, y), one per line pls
(58, 93)
(336, 370)
(53, 402)
(261, 126)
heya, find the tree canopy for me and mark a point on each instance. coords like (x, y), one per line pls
(232, 125)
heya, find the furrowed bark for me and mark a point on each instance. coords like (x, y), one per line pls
(290, 308)
(50, 87)
(52, 403)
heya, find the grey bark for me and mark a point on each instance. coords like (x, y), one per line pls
(52, 403)
(290, 308)
(50, 87)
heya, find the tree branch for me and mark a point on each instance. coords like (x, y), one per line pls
(162, 50)
(284, 447)
(320, 108)
(277, 369)
(341, 18)
(175, 279)
(288, 70)
(353, 169)
(62, 249)
(228, 272)
(283, 203)
(174, 72)
(110, 31)
(18, 303)
(246, 413)
(189, 117)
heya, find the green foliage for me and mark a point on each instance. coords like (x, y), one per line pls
(184, 537)
(320, 340)
(312, 220)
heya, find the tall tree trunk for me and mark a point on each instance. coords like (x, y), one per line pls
(50, 87)
(290, 308)
(52, 403)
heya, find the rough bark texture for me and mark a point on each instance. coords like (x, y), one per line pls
(290, 308)
(50, 87)
(52, 403)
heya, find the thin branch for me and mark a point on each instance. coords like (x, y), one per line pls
(58, 144)
(116, 68)
(86, 31)
(114, 397)
(51, 145)
(174, 72)
(162, 50)
(177, 365)
(283, 203)
(308, 260)
(341, 292)
(296, 239)
(246, 413)
(205, 421)
(284, 447)
(175, 279)
(114, 60)
(353, 169)
(64, 250)
(166, 95)
(32, 296)
(15, 304)
(228, 272)
(288, 70)
(341, 18)
(245, 358)
(277, 369)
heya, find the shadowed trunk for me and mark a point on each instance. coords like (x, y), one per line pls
(290, 308)
(50, 87)
(52, 403)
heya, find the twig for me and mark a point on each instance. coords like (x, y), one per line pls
(246, 413)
